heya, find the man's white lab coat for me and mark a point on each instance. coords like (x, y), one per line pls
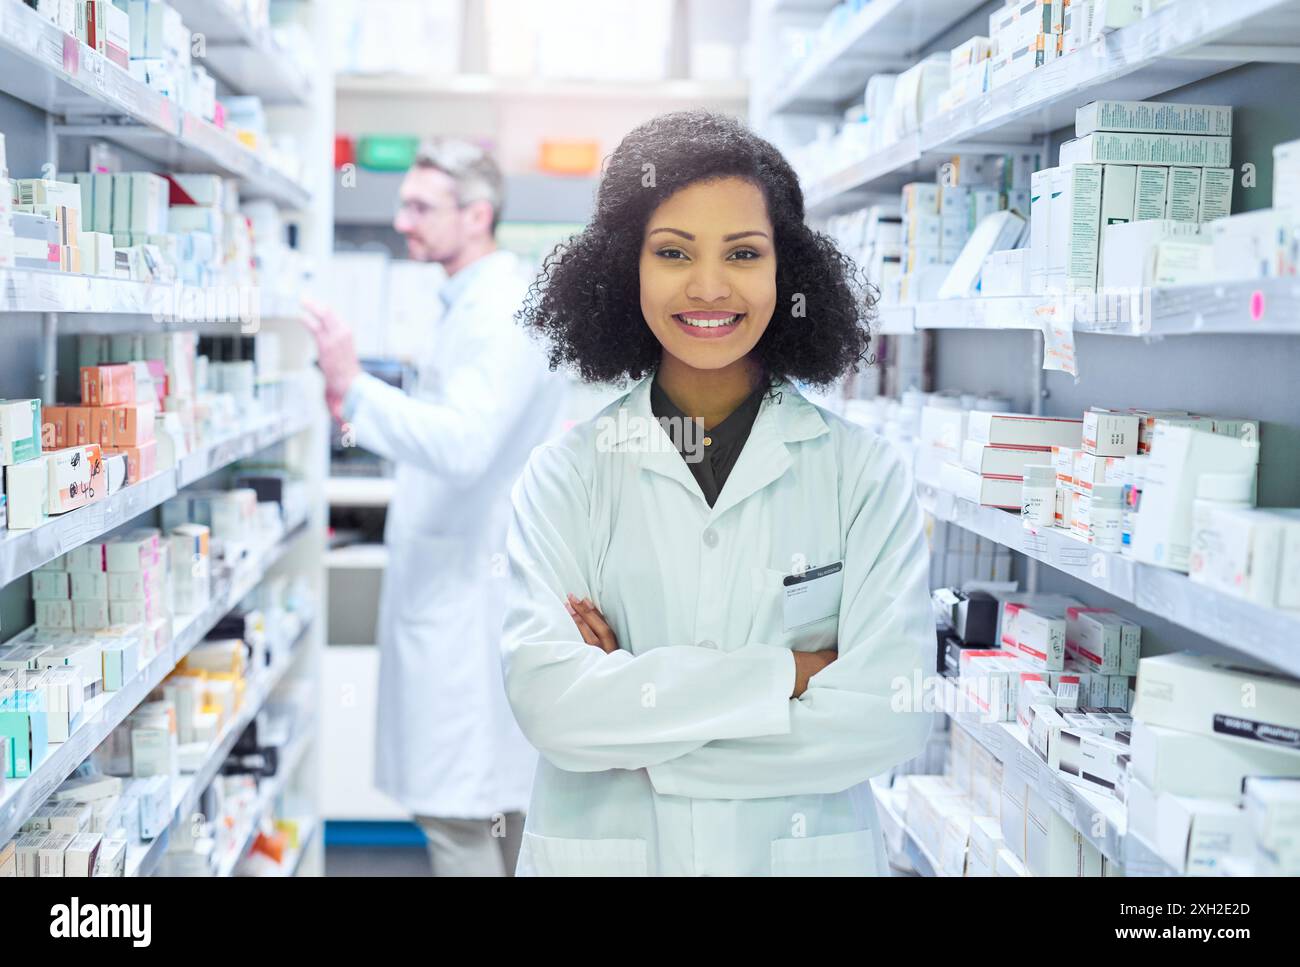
(447, 743)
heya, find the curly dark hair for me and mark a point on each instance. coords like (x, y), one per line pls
(586, 303)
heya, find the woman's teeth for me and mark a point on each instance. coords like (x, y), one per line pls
(709, 323)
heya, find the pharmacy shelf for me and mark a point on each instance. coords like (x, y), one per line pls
(923, 862)
(45, 67)
(243, 56)
(895, 320)
(884, 36)
(143, 858)
(1269, 635)
(509, 89)
(55, 72)
(1177, 45)
(359, 491)
(168, 304)
(22, 551)
(1258, 307)
(108, 710)
(1099, 818)
(267, 793)
(293, 859)
(198, 145)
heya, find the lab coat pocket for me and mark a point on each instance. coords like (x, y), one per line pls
(554, 856)
(842, 854)
(768, 616)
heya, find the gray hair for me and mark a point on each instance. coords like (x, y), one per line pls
(477, 176)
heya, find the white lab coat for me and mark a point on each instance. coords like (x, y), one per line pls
(447, 744)
(682, 752)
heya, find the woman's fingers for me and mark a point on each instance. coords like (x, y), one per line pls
(596, 621)
(588, 635)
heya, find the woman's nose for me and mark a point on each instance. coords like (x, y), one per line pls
(707, 283)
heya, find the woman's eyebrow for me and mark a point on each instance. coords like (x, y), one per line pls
(726, 238)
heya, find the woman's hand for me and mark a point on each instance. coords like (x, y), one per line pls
(593, 627)
(809, 663)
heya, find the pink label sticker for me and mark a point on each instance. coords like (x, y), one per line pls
(1256, 306)
(71, 55)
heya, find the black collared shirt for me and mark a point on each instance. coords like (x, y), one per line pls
(710, 454)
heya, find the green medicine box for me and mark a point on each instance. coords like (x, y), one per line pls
(20, 431)
(24, 731)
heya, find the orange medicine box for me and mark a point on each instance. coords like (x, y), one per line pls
(54, 427)
(132, 425)
(107, 385)
(141, 461)
(77, 420)
(101, 426)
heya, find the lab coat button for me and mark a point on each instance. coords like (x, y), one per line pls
(708, 643)
(710, 538)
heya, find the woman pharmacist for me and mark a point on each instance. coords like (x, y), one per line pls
(713, 646)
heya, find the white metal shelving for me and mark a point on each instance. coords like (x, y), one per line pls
(1250, 307)
(55, 72)
(143, 858)
(295, 752)
(105, 712)
(883, 36)
(244, 56)
(1270, 635)
(22, 551)
(1176, 45)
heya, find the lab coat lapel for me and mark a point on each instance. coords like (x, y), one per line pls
(637, 431)
(785, 417)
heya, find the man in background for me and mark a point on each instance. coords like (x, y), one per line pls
(448, 746)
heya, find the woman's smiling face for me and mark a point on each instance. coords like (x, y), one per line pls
(708, 272)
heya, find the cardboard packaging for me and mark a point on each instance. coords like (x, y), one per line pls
(1204, 695)
(20, 431)
(26, 494)
(1022, 429)
(1179, 455)
(1104, 147)
(1153, 117)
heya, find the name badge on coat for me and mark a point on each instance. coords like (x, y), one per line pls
(813, 595)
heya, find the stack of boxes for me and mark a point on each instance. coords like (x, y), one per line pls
(117, 413)
(1108, 437)
(1027, 34)
(39, 483)
(1195, 745)
(86, 825)
(161, 58)
(969, 72)
(1125, 205)
(873, 237)
(46, 222)
(1023, 36)
(995, 451)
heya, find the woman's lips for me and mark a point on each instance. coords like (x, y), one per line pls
(709, 325)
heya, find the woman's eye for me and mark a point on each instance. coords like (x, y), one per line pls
(671, 253)
(744, 254)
